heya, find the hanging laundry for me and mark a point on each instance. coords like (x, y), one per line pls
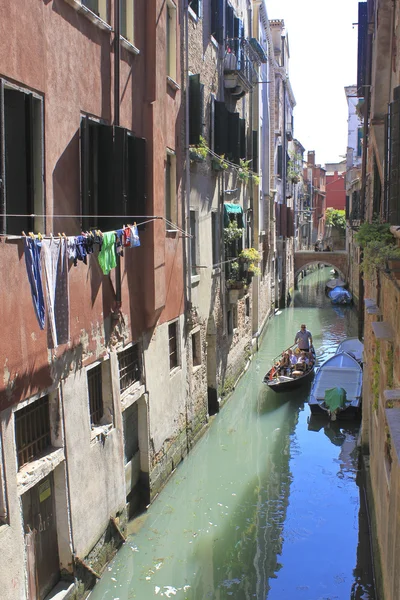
(72, 252)
(119, 242)
(107, 256)
(127, 237)
(81, 249)
(54, 256)
(33, 267)
(135, 240)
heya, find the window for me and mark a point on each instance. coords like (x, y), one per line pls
(129, 367)
(173, 345)
(234, 317)
(196, 348)
(215, 238)
(193, 241)
(21, 160)
(196, 109)
(247, 306)
(197, 7)
(170, 193)
(98, 7)
(217, 20)
(171, 40)
(127, 19)
(131, 431)
(32, 430)
(95, 385)
(113, 165)
(229, 321)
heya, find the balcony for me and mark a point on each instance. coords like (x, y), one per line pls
(241, 56)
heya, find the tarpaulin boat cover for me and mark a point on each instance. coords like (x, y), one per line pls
(335, 398)
(339, 295)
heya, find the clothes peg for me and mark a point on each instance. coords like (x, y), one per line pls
(31, 235)
(23, 233)
(40, 236)
(64, 236)
(134, 223)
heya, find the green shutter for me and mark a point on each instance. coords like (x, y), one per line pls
(233, 137)
(280, 162)
(394, 158)
(86, 192)
(242, 134)
(220, 128)
(196, 92)
(120, 172)
(217, 18)
(105, 179)
(254, 164)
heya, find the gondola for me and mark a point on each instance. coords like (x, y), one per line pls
(293, 379)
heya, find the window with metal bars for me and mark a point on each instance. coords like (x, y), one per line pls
(173, 345)
(95, 385)
(32, 430)
(129, 367)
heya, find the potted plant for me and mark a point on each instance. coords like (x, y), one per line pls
(199, 153)
(294, 167)
(232, 233)
(244, 171)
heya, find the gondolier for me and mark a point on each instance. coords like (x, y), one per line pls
(303, 338)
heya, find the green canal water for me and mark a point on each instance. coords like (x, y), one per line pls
(270, 503)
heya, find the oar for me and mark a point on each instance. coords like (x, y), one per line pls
(283, 352)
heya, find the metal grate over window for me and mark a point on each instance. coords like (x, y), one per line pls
(129, 367)
(32, 430)
(173, 346)
(95, 394)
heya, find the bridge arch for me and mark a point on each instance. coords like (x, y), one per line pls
(339, 260)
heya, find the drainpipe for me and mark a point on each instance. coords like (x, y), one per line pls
(187, 259)
(284, 240)
(117, 47)
(3, 208)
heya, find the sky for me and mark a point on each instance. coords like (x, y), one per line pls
(323, 60)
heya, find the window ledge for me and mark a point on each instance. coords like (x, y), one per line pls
(129, 46)
(193, 15)
(393, 421)
(132, 394)
(383, 330)
(174, 371)
(194, 279)
(98, 21)
(100, 432)
(172, 83)
(33, 472)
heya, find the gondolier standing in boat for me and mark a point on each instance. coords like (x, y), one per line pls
(303, 339)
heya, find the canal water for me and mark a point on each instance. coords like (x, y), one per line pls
(270, 503)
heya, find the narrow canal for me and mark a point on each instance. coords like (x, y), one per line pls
(269, 504)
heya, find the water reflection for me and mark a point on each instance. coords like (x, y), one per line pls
(266, 505)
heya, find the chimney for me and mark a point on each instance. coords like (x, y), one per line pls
(311, 158)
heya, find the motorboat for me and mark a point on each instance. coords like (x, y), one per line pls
(339, 295)
(337, 387)
(285, 380)
(352, 346)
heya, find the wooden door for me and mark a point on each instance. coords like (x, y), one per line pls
(39, 515)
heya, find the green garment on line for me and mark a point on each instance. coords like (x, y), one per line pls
(107, 256)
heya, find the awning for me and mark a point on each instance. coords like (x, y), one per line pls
(233, 209)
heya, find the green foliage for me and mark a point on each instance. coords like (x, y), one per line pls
(389, 367)
(219, 162)
(244, 171)
(336, 218)
(232, 233)
(256, 179)
(379, 246)
(200, 151)
(294, 167)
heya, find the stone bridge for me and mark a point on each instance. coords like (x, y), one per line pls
(339, 260)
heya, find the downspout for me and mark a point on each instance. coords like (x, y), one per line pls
(117, 47)
(284, 240)
(187, 259)
(3, 208)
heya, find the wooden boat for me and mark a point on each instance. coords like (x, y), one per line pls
(332, 283)
(279, 382)
(342, 374)
(339, 295)
(352, 346)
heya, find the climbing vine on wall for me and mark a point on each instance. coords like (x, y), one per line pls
(389, 367)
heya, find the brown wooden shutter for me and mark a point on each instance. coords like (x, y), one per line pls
(242, 137)
(394, 158)
(233, 137)
(196, 95)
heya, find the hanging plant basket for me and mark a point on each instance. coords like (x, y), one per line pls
(196, 157)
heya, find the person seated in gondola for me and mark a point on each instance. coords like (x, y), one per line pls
(284, 364)
(302, 362)
(292, 358)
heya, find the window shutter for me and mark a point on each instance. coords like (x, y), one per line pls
(29, 136)
(105, 178)
(278, 219)
(212, 122)
(229, 23)
(120, 173)
(221, 128)
(362, 48)
(242, 133)
(280, 161)
(86, 190)
(233, 137)
(217, 25)
(255, 152)
(394, 158)
(136, 204)
(3, 208)
(196, 94)
(283, 228)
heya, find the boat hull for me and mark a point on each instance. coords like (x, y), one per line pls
(289, 384)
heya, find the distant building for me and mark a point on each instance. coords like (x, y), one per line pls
(336, 185)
